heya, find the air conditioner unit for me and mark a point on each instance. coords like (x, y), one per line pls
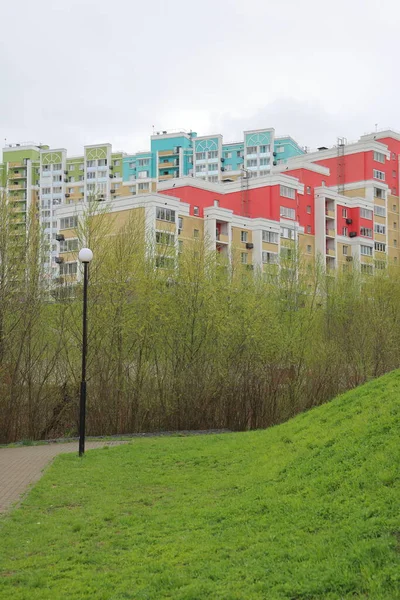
(274, 154)
(112, 191)
(111, 176)
(60, 237)
(222, 160)
(111, 167)
(349, 221)
(67, 195)
(249, 246)
(349, 258)
(222, 168)
(59, 260)
(65, 172)
(274, 163)
(353, 234)
(179, 231)
(65, 179)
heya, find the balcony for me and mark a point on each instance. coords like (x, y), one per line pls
(222, 238)
(164, 177)
(15, 187)
(330, 233)
(166, 165)
(167, 153)
(330, 214)
(19, 175)
(16, 165)
(330, 252)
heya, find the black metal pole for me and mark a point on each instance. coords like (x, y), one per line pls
(82, 411)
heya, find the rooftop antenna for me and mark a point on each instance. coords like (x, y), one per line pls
(153, 129)
(376, 127)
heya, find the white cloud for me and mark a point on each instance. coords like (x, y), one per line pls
(81, 72)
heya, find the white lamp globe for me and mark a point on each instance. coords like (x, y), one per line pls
(85, 255)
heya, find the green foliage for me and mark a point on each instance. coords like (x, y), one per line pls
(305, 510)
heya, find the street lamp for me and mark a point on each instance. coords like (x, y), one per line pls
(85, 256)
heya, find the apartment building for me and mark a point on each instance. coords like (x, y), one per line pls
(257, 199)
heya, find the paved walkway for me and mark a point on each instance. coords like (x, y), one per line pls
(20, 467)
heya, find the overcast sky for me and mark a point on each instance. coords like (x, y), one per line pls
(80, 72)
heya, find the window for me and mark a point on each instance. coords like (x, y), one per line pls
(394, 173)
(69, 268)
(345, 231)
(394, 225)
(200, 168)
(142, 162)
(71, 167)
(57, 167)
(251, 149)
(366, 269)
(91, 187)
(81, 190)
(365, 213)
(180, 246)
(91, 175)
(71, 179)
(270, 237)
(244, 257)
(378, 228)
(366, 232)
(251, 162)
(345, 250)
(380, 211)
(143, 186)
(228, 167)
(287, 192)
(379, 175)
(213, 154)
(117, 186)
(379, 157)
(366, 250)
(57, 190)
(380, 264)
(380, 247)
(270, 258)
(46, 214)
(196, 233)
(309, 249)
(90, 163)
(344, 213)
(286, 252)
(46, 190)
(68, 222)
(196, 211)
(81, 167)
(288, 213)
(166, 238)
(239, 153)
(395, 243)
(70, 245)
(57, 178)
(132, 189)
(81, 178)
(117, 163)
(143, 174)
(287, 233)
(308, 228)
(165, 214)
(280, 149)
(165, 262)
(264, 149)
(102, 162)
(228, 154)
(394, 207)
(132, 165)
(243, 236)
(264, 161)
(308, 190)
(45, 168)
(379, 193)
(309, 210)
(200, 155)
(323, 182)
(212, 166)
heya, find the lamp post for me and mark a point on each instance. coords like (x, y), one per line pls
(85, 256)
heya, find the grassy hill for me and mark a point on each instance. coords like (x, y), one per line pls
(309, 509)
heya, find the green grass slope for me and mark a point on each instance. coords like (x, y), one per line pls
(309, 509)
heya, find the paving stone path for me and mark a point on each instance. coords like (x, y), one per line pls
(20, 467)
